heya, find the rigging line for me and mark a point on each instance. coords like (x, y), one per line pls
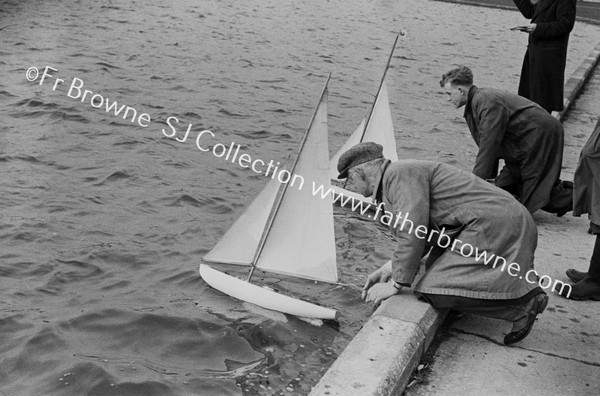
(350, 285)
(283, 188)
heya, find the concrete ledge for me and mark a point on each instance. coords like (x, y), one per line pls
(407, 308)
(383, 355)
(577, 81)
(378, 361)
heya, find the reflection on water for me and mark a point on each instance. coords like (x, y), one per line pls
(104, 221)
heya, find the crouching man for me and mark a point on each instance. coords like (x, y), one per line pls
(472, 214)
(509, 127)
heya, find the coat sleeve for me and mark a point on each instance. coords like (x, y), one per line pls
(525, 7)
(562, 25)
(492, 116)
(408, 192)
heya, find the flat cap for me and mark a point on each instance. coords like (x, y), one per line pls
(356, 155)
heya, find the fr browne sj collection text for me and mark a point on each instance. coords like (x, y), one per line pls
(77, 90)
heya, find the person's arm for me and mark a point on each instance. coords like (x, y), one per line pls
(408, 192)
(525, 7)
(563, 24)
(493, 119)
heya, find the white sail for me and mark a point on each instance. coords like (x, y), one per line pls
(353, 140)
(379, 127)
(240, 242)
(379, 130)
(301, 241)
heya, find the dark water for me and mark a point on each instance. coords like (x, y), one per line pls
(103, 222)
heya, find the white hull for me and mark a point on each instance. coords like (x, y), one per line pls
(263, 297)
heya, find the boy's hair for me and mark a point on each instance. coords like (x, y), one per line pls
(462, 75)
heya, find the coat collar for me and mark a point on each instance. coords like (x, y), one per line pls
(378, 193)
(472, 91)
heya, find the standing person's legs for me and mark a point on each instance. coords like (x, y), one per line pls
(594, 270)
(524, 89)
(587, 286)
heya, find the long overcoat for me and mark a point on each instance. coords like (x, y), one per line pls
(479, 216)
(529, 140)
(543, 72)
(586, 192)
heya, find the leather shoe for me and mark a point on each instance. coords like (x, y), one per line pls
(586, 289)
(575, 275)
(539, 305)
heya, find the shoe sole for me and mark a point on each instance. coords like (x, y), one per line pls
(593, 298)
(540, 309)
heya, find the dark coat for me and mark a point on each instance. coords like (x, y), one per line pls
(586, 193)
(439, 196)
(543, 72)
(529, 140)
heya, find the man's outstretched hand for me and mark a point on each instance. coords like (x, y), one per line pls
(380, 279)
(381, 291)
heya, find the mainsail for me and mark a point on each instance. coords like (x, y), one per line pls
(301, 241)
(287, 229)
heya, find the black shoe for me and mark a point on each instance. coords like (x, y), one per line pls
(561, 199)
(575, 275)
(539, 305)
(585, 289)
